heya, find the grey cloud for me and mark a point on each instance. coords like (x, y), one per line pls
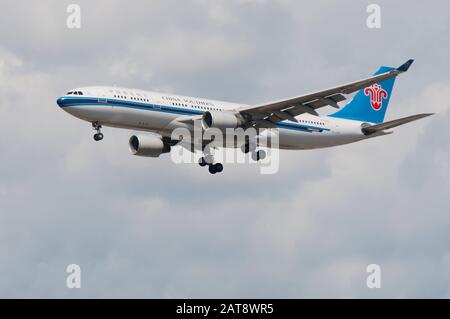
(150, 228)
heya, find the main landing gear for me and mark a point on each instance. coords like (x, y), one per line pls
(208, 160)
(256, 155)
(97, 127)
(213, 168)
(259, 155)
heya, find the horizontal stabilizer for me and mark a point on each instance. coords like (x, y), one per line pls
(391, 124)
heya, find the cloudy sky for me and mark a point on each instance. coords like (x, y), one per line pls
(148, 228)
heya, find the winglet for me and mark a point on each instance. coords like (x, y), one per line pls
(405, 66)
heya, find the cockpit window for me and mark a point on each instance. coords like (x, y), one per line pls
(74, 93)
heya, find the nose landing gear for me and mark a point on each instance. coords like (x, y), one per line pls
(97, 127)
(98, 137)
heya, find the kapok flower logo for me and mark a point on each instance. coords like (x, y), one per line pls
(377, 94)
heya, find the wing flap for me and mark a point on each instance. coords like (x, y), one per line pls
(331, 100)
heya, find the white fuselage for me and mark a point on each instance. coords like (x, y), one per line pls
(160, 113)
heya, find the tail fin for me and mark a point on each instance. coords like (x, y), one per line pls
(370, 103)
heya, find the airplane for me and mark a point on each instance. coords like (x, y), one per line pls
(295, 119)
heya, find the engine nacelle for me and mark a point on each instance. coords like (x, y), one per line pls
(148, 146)
(220, 120)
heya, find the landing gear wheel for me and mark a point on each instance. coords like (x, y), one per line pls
(97, 127)
(218, 167)
(262, 154)
(212, 169)
(259, 155)
(202, 162)
(246, 148)
(98, 137)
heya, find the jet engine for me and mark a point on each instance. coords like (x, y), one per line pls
(148, 145)
(221, 120)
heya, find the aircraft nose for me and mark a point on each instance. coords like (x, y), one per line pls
(60, 101)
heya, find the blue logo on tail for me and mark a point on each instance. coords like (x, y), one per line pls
(370, 103)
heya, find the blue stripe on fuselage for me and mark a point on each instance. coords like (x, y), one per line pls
(128, 104)
(69, 101)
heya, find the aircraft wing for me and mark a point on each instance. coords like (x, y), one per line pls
(267, 114)
(371, 129)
